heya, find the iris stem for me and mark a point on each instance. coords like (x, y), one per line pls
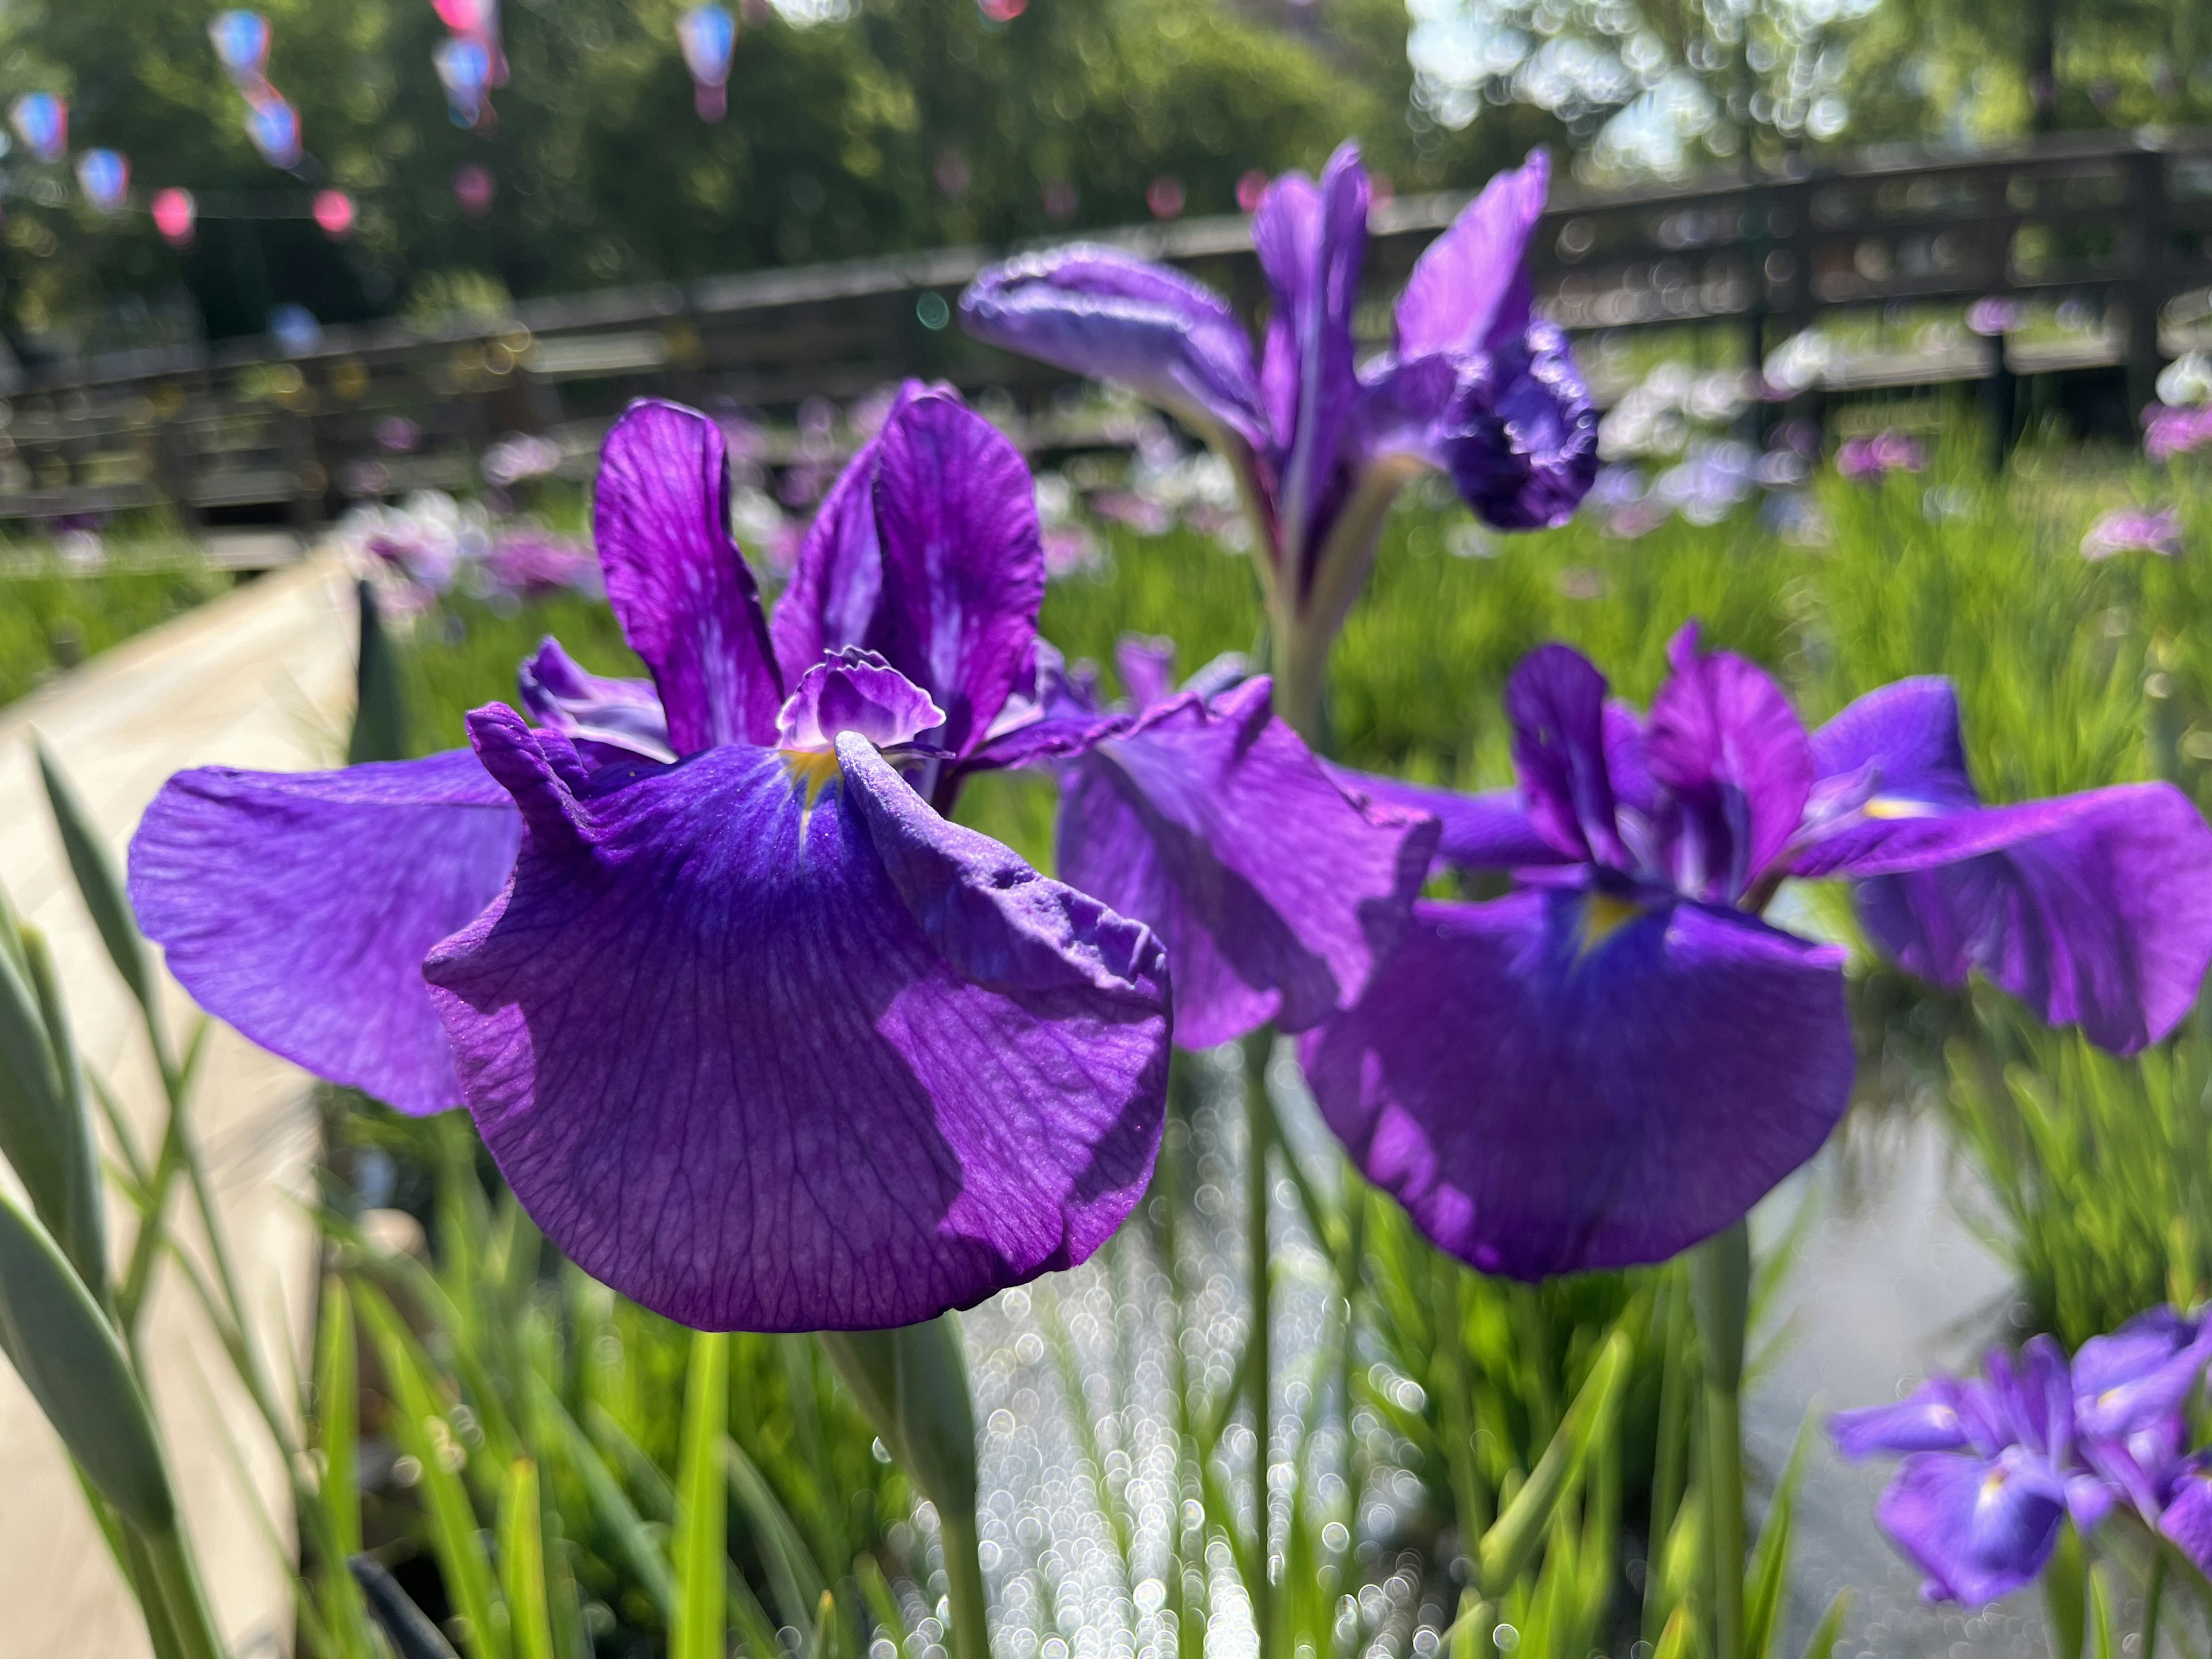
(1720, 1296)
(963, 1579)
(1258, 1379)
(2152, 1597)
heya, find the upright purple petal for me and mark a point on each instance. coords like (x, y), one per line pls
(298, 907)
(1586, 1077)
(1520, 439)
(834, 595)
(1907, 734)
(687, 601)
(2142, 1371)
(731, 1069)
(622, 717)
(1979, 1529)
(1276, 894)
(1146, 665)
(1556, 701)
(1725, 744)
(1099, 312)
(1491, 830)
(964, 567)
(1311, 241)
(1468, 289)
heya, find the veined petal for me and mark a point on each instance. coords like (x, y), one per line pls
(298, 907)
(1099, 312)
(622, 715)
(1275, 893)
(1311, 241)
(1556, 701)
(1933, 1418)
(1491, 830)
(1980, 1528)
(1726, 744)
(1469, 288)
(1520, 439)
(687, 601)
(964, 566)
(2094, 909)
(1578, 1078)
(834, 597)
(729, 1069)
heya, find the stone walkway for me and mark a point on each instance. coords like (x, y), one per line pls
(261, 678)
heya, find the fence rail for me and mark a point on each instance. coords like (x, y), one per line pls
(233, 432)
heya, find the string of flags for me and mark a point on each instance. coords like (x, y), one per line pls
(469, 63)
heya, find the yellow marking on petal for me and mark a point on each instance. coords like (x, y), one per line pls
(814, 769)
(1896, 807)
(1993, 1483)
(1604, 915)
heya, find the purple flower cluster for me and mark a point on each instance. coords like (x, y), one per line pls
(1995, 1465)
(431, 545)
(2134, 529)
(1870, 459)
(2171, 429)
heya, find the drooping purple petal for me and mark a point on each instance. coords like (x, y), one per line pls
(1556, 701)
(730, 1070)
(1583, 1078)
(1275, 893)
(1725, 744)
(1490, 830)
(2095, 908)
(1469, 289)
(964, 567)
(1933, 1418)
(1099, 312)
(834, 595)
(1520, 439)
(1979, 1529)
(687, 601)
(298, 907)
(621, 716)
(1311, 241)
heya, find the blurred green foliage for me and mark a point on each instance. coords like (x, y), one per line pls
(52, 621)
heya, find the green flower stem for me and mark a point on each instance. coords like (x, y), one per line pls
(963, 1578)
(1720, 1295)
(176, 1581)
(1259, 1368)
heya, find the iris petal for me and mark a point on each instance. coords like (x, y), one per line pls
(727, 1069)
(1276, 894)
(1099, 312)
(1979, 1529)
(298, 907)
(1548, 1088)
(1469, 284)
(964, 565)
(1556, 701)
(1933, 1418)
(687, 602)
(1520, 439)
(1489, 831)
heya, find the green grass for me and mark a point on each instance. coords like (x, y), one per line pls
(50, 621)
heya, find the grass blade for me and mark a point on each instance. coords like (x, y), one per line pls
(701, 1506)
(1830, 1630)
(1508, 1546)
(522, 1562)
(99, 885)
(338, 1405)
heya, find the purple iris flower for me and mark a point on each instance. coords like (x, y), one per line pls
(1992, 1467)
(1277, 894)
(1474, 384)
(1618, 1059)
(755, 1035)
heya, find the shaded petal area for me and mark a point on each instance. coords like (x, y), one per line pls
(1311, 241)
(1468, 287)
(732, 1073)
(1275, 893)
(619, 714)
(1561, 742)
(299, 906)
(963, 564)
(833, 597)
(1520, 439)
(2188, 1519)
(1979, 1529)
(2140, 1371)
(1570, 1079)
(1099, 312)
(687, 601)
(1489, 831)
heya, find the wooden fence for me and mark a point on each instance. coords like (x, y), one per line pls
(236, 432)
